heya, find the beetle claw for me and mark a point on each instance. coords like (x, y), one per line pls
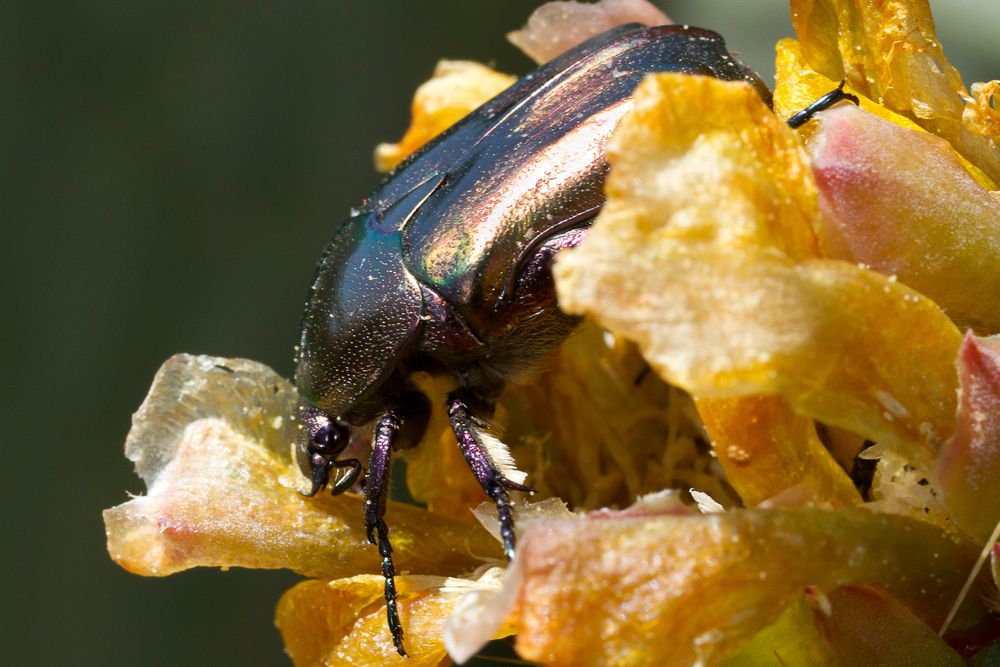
(514, 486)
(320, 477)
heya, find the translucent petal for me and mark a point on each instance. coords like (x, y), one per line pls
(982, 108)
(766, 449)
(888, 50)
(710, 582)
(702, 256)
(343, 621)
(556, 27)
(797, 86)
(212, 442)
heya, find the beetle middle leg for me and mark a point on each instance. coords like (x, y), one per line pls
(469, 430)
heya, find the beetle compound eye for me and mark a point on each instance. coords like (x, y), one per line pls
(322, 436)
(330, 438)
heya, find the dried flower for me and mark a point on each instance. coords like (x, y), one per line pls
(800, 291)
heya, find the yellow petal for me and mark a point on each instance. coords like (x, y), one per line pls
(701, 256)
(343, 621)
(669, 590)
(888, 50)
(765, 448)
(456, 88)
(797, 86)
(982, 110)
(850, 625)
(212, 442)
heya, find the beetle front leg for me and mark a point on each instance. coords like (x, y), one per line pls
(376, 492)
(466, 428)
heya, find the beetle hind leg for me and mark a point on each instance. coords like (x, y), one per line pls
(473, 442)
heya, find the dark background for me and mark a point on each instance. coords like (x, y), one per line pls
(169, 171)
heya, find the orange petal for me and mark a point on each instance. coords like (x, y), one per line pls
(343, 621)
(672, 590)
(212, 442)
(797, 86)
(765, 448)
(889, 51)
(967, 470)
(456, 88)
(702, 256)
(556, 27)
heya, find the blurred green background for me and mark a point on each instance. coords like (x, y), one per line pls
(170, 172)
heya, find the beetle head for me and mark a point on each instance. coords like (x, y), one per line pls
(321, 440)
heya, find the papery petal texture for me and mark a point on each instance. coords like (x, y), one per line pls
(703, 256)
(556, 27)
(212, 442)
(711, 582)
(343, 621)
(889, 51)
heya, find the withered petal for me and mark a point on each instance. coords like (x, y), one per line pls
(596, 591)
(702, 256)
(889, 51)
(343, 621)
(212, 442)
(556, 27)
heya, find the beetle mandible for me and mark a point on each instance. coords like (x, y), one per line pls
(446, 267)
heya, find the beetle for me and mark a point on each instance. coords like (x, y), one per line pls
(446, 268)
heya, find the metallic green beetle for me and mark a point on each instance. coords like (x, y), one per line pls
(445, 267)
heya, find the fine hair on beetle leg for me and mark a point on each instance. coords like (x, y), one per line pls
(486, 471)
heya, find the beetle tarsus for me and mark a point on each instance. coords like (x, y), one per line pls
(505, 513)
(389, 573)
(825, 102)
(376, 491)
